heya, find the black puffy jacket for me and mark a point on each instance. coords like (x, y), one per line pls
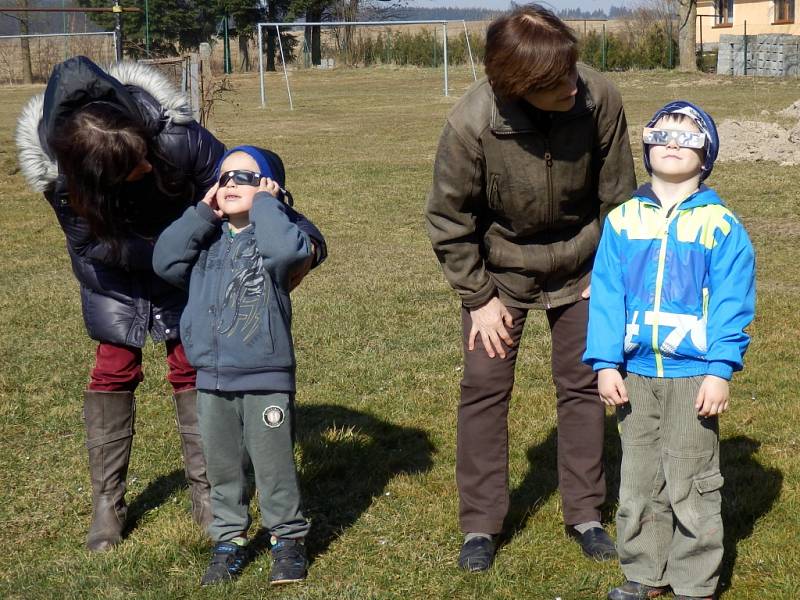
(122, 298)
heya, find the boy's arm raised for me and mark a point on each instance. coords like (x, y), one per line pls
(282, 244)
(179, 245)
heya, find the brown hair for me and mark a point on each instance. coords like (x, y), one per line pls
(96, 148)
(528, 49)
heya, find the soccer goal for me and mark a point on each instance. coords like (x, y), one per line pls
(279, 26)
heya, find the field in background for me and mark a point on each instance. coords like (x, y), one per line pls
(377, 338)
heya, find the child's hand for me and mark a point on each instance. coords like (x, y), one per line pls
(211, 199)
(611, 387)
(269, 186)
(713, 397)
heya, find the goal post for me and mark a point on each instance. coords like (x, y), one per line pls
(295, 25)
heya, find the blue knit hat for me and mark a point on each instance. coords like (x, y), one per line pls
(703, 121)
(269, 164)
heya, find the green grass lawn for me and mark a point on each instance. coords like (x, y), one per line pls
(377, 337)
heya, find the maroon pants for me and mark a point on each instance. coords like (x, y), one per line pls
(482, 445)
(119, 368)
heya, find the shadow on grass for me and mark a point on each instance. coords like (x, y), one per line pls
(347, 459)
(749, 492)
(541, 480)
(155, 494)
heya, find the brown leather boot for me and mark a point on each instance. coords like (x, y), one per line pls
(108, 417)
(194, 463)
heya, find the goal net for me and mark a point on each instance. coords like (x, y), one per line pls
(356, 43)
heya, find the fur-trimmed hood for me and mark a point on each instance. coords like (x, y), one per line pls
(157, 102)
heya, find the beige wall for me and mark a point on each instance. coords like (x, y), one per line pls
(759, 15)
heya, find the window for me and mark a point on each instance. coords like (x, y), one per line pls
(724, 11)
(784, 11)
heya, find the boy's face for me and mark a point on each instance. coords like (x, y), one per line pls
(235, 199)
(671, 162)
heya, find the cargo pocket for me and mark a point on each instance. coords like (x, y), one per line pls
(708, 501)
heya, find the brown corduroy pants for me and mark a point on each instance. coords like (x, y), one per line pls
(482, 445)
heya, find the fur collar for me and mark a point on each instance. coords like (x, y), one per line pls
(40, 170)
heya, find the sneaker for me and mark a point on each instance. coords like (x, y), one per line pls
(227, 562)
(633, 590)
(289, 562)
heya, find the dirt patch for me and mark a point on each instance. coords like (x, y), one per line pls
(792, 111)
(758, 140)
(693, 83)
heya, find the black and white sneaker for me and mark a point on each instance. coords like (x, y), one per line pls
(227, 562)
(289, 562)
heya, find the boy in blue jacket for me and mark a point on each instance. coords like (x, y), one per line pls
(238, 252)
(673, 288)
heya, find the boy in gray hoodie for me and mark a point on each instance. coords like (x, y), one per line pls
(239, 252)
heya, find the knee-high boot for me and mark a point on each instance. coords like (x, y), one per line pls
(193, 461)
(108, 417)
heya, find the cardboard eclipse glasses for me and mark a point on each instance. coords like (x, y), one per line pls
(663, 137)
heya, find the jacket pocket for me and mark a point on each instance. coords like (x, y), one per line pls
(495, 202)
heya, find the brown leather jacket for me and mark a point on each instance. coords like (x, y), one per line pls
(517, 213)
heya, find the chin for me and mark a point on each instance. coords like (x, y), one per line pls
(565, 105)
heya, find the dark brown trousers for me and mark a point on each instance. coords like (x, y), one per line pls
(482, 453)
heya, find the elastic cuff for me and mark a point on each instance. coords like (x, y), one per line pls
(476, 300)
(599, 364)
(720, 369)
(204, 212)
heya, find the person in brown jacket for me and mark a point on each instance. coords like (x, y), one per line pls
(530, 161)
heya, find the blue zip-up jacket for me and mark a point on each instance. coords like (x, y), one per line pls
(672, 291)
(236, 328)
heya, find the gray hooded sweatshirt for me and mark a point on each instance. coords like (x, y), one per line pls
(236, 328)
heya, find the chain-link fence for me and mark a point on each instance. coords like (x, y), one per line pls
(31, 58)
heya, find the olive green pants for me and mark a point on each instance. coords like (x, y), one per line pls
(243, 433)
(669, 523)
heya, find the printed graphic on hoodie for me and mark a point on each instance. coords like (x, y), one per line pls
(244, 301)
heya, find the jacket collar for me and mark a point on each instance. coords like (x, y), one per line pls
(703, 196)
(510, 117)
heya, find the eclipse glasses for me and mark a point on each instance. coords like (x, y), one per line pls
(684, 139)
(242, 177)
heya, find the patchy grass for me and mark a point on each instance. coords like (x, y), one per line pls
(377, 333)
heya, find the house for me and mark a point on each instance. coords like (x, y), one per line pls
(723, 17)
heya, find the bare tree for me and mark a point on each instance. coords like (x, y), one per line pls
(687, 35)
(27, 71)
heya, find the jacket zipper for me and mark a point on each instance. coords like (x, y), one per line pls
(662, 255)
(548, 163)
(218, 310)
(548, 159)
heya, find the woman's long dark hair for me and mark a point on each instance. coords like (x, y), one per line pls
(96, 148)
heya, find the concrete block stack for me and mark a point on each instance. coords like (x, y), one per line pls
(767, 55)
